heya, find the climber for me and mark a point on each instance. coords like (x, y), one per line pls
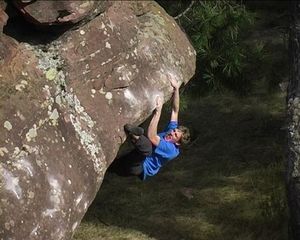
(155, 150)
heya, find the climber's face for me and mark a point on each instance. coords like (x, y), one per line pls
(174, 136)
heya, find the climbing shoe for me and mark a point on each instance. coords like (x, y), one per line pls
(132, 130)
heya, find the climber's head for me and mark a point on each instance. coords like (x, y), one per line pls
(179, 136)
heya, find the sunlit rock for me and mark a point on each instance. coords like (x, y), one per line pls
(49, 12)
(63, 108)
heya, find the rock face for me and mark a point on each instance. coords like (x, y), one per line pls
(3, 16)
(57, 12)
(63, 107)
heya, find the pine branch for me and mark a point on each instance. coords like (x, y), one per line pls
(186, 10)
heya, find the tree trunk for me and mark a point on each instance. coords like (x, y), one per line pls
(293, 117)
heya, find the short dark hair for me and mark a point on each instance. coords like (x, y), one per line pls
(186, 136)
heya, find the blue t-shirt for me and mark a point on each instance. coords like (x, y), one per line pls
(164, 152)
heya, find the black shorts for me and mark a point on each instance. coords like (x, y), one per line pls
(131, 164)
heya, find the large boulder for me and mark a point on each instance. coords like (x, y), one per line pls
(63, 108)
(49, 12)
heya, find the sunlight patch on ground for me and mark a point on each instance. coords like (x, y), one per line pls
(91, 231)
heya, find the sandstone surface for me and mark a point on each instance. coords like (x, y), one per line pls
(63, 107)
(49, 12)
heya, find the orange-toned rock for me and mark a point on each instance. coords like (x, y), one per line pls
(64, 105)
(51, 12)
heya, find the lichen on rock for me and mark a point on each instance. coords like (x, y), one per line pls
(67, 104)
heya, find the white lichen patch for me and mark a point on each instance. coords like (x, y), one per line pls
(31, 134)
(83, 125)
(107, 45)
(108, 95)
(51, 74)
(30, 194)
(58, 100)
(69, 182)
(54, 117)
(103, 63)
(7, 125)
(120, 111)
(102, 26)
(41, 122)
(21, 86)
(131, 42)
(20, 115)
(3, 151)
(82, 43)
(86, 72)
(102, 91)
(16, 152)
(24, 82)
(82, 32)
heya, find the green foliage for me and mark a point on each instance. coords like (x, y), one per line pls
(217, 30)
(237, 49)
(175, 8)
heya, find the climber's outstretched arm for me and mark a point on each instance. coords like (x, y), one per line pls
(152, 129)
(175, 104)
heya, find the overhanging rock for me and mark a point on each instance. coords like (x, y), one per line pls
(48, 12)
(63, 109)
